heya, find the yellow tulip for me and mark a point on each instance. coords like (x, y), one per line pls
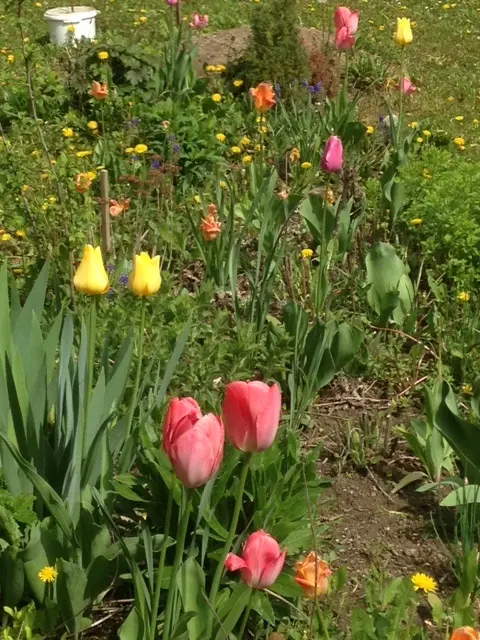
(145, 279)
(403, 35)
(91, 277)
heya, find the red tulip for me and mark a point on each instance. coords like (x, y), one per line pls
(344, 39)
(251, 412)
(345, 18)
(406, 86)
(261, 561)
(192, 441)
(465, 633)
(332, 158)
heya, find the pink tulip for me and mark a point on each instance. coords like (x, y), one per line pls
(345, 18)
(332, 158)
(198, 21)
(261, 561)
(251, 412)
(192, 441)
(172, 3)
(406, 87)
(343, 39)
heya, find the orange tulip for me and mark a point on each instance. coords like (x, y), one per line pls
(210, 227)
(82, 182)
(465, 633)
(119, 206)
(263, 96)
(313, 572)
(99, 91)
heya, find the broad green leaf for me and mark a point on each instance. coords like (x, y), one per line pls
(12, 577)
(232, 610)
(191, 584)
(71, 586)
(469, 494)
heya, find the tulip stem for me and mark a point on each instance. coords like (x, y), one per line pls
(228, 542)
(161, 563)
(246, 617)
(321, 620)
(133, 401)
(92, 324)
(182, 532)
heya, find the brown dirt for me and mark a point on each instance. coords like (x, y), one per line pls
(368, 526)
(229, 45)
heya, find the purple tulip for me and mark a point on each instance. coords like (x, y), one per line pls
(332, 158)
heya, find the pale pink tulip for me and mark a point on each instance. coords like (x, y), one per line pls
(251, 412)
(172, 3)
(261, 561)
(192, 441)
(345, 18)
(198, 21)
(332, 158)
(343, 39)
(406, 87)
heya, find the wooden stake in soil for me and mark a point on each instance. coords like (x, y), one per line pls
(105, 212)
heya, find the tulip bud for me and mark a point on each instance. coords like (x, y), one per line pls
(251, 412)
(345, 18)
(406, 86)
(192, 441)
(312, 575)
(403, 35)
(145, 279)
(261, 561)
(332, 158)
(465, 633)
(91, 277)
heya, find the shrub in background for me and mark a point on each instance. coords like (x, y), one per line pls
(274, 52)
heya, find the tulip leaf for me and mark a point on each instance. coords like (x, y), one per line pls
(462, 495)
(191, 584)
(232, 610)
(133, 628)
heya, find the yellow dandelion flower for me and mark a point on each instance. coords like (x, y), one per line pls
(419, 140)
(129, 150)
(47, 574)
(306, 165)
(221, 137)
(52, 199)
(460, 142)
(92, 125)
(235, 150)
(459, 118)
(67, 132)
(83, 154)
(141, 148)
(35, 153)
(422, 582)
(25, 188)
(412, 125)
(220, 68)
(5, 237)
(20, 233)
(259, 147)
(143, 19)
(247, 159)
(426, 133)
(306, 254)
(450, 99)
(260, 119)
(245, 141)
(381, 27)
(11, 58)
(369, 130)
(216, 97)
(426, 173)
(197, 199)
(263, 129)
(210, 68)
(466, 389)
(445, 6)
(103, 55)
(416, 222)
(91, 175)
(463, 296)
(237, 83)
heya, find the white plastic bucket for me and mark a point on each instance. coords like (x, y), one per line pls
(65, 25)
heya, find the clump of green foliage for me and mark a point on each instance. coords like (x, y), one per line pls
(443, 195)
(275, 51)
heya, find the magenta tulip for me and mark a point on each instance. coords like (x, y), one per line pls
(192, 441)
(251, 412)
(172, 3)
(332, 158)
(345, 18)
(343, 39)
(198, 21)
(406, 87)
(261, 561)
